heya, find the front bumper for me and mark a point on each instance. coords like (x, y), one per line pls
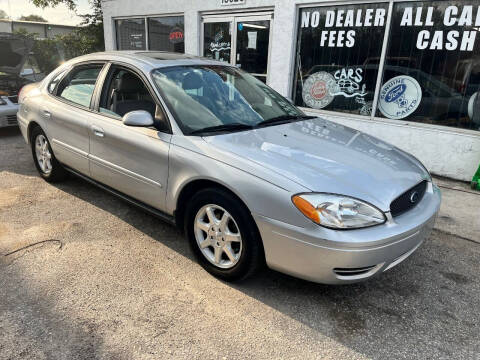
(344, 256)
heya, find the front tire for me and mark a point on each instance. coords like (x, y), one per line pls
(47, 165)
(223, 235)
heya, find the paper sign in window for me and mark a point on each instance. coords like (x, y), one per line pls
(252, 40)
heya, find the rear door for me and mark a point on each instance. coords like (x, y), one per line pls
(68, 111)
(132, 160)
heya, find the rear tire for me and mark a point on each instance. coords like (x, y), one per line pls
(47, 165)
(222, 235)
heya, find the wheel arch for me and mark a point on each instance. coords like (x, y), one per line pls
(191, 188)
(32, 125)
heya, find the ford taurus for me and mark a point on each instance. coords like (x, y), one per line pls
(249, 177)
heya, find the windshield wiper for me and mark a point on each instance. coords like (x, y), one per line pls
(283, 119)
(220, 128)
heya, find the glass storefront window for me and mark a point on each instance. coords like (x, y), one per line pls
(431, 67)
(130, 34)
(432, 64)
(166, 33)
(338, 52)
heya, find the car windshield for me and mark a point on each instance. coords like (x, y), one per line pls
(207, 99)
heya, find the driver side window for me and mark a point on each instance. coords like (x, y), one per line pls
(123, 92)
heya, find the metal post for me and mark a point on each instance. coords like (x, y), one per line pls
(382, 59)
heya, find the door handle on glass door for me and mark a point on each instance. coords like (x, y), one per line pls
(98, 131)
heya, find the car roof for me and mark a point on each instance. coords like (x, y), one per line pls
(148, 60)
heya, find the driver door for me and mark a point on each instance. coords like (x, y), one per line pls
(132, 160)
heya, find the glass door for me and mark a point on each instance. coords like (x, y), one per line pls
(217, 39)
(253, 45)
(242, 41)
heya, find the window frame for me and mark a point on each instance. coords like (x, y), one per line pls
(234, 17)
(145, 18)
(69, 71)
(104, 80)
(358, 117)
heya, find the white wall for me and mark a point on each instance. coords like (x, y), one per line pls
(445, 151)
(5, 26)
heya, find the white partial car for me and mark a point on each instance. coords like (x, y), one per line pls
(8, 111)
(14, 53)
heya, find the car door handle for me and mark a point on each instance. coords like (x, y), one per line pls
(97, 131)
(47, 114)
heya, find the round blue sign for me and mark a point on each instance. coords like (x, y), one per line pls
(400, 97)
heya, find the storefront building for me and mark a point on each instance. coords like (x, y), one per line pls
(407, 72)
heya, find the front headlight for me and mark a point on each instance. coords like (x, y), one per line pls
(337, 211)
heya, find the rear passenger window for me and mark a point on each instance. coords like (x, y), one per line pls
(79, 84)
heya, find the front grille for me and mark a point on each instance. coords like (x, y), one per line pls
(13, 99)
(409, 199)
(353, 271)
(11, 119)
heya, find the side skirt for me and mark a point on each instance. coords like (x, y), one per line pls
(155, 212)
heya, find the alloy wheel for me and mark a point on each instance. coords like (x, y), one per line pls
(43, 154)
(218, 236)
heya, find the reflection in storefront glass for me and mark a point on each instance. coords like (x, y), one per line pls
(130, 34)
(432, 66)
(166, 33)
(338, 53)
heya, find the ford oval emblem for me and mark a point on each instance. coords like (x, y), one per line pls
(414, 197)
(395, 93)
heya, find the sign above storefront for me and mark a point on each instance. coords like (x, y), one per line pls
(231, 2)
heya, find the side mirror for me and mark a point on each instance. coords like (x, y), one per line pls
(138, 118)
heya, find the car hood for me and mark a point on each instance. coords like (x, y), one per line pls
(15, 49)
(327, 157)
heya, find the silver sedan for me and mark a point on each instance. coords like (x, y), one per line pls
(249, 177)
